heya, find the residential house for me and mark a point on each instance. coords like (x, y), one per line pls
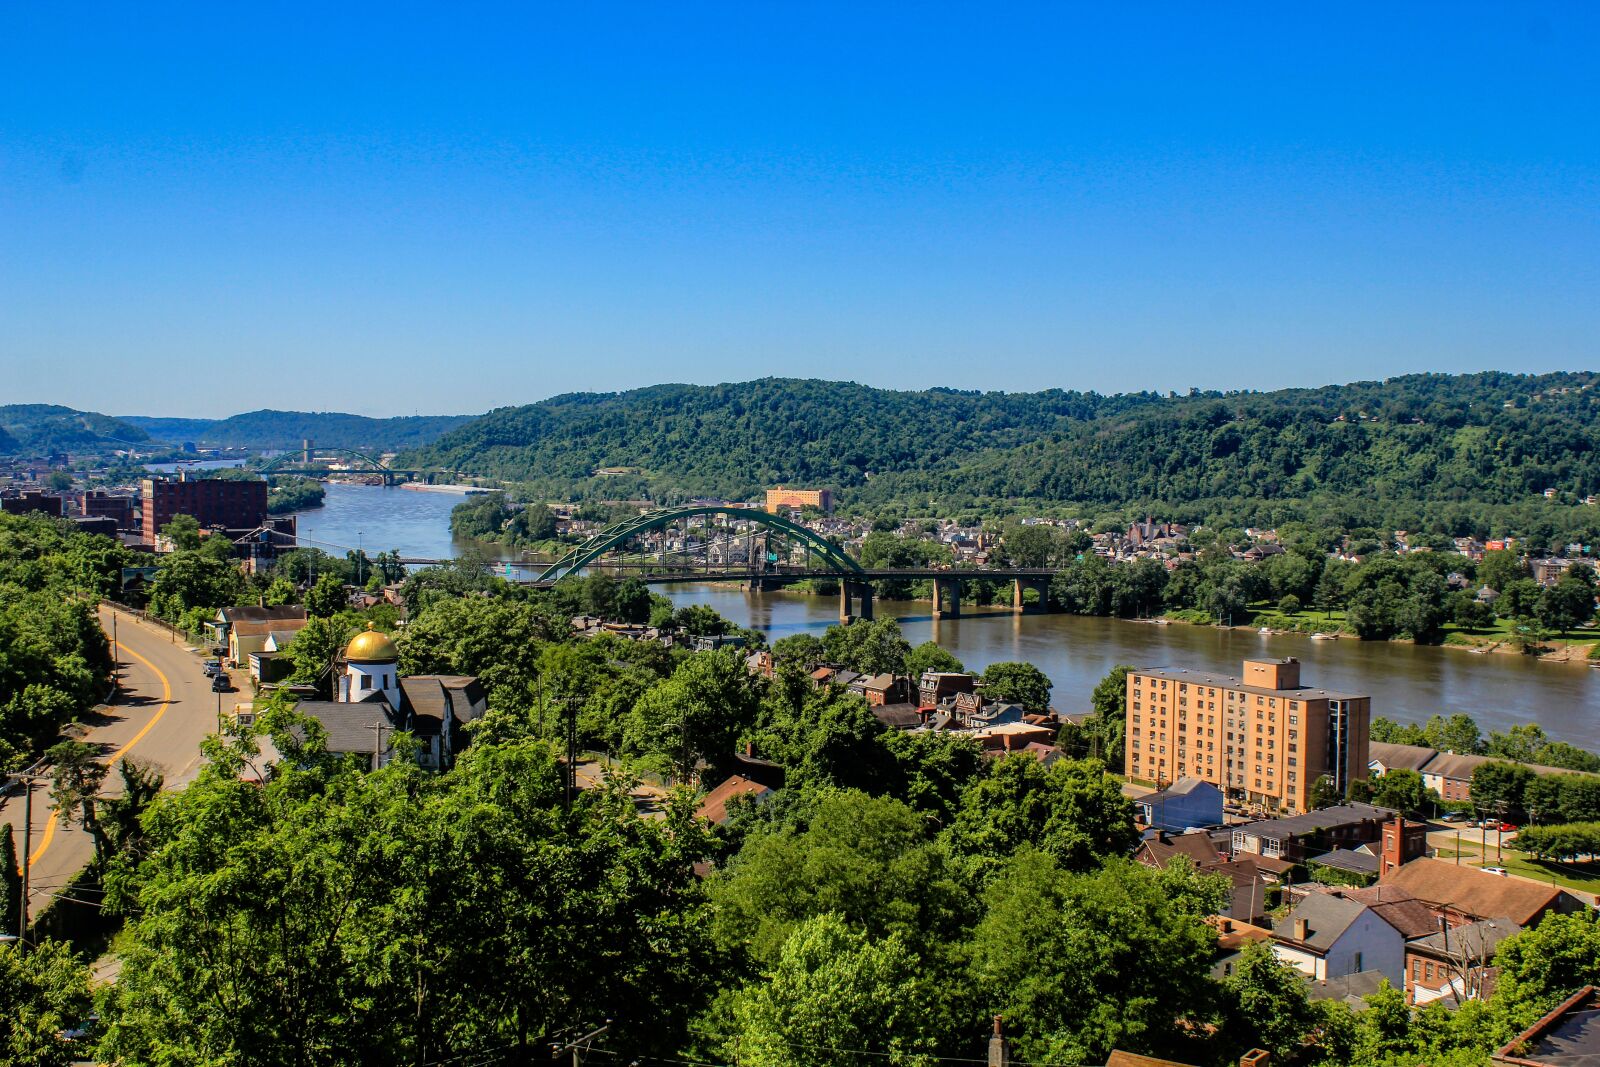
(760, 663)
(714, 808)
(1186, 803)
(1455, 963)
(248, 637)
(374, 703)
(1011, 737)
(935, 687)
(1296, 837)
(1351, 989)
(1466, 894)
(1247, 886)
(1383, 757)
(1331, 936)
(1566, 1037)
(882, 689)
(218, 628)
(899, 716)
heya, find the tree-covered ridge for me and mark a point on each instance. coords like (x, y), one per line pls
(1491, 437)
(37, 429)
(288, 429)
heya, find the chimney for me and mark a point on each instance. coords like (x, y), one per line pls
(1302, 929)
(1227, 926)
(1256, 1057)
(999, 1047)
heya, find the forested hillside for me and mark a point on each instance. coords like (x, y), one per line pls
(287, 429)
(37, 429)
(1483, 439)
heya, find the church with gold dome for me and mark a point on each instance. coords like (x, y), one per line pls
(372, 702)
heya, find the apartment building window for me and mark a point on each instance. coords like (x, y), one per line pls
(1136, 706)
(1294, 705)
(1294, 735)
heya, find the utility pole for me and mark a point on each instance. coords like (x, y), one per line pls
(378, 728)
(578, 1045)
(28, 781)
(116, 652)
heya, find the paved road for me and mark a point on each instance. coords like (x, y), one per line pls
(164, 709)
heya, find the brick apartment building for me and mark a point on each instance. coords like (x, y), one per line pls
(782, 498)
(212, 501)
(1261, 737)
(95, 504)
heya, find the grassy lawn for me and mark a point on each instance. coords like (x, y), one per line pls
(1566, 875)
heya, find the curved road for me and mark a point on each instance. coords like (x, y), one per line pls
(163, 710)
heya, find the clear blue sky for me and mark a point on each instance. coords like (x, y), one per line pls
(217, 207)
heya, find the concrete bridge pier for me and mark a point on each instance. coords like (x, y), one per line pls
(861, 593)
(946, 598)
(1019, 585)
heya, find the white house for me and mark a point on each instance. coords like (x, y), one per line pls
(1327, 936)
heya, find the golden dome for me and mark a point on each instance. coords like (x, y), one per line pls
(371, 646)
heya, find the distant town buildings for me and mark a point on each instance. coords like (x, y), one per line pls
(1262, 737)
(232, 505)
(782, 498)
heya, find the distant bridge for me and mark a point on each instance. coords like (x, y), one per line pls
(606, 551)
(306, 461)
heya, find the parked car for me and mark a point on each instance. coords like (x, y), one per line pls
(1507, 828)
(1455, 816)
(212, 667)
(221, 683)
(1501, 871)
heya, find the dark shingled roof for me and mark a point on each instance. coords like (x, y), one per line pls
(349, 726)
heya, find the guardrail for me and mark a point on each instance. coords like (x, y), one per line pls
(140, 614)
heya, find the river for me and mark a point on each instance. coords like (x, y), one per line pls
(1407, 683)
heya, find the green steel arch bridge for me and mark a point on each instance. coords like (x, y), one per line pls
(776, 551)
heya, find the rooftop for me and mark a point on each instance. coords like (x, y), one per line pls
(1567, 1037)
(1319, 819)
(1473, 892)
(1327, 918)
(1233, 681)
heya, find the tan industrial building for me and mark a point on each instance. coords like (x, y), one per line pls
(1261, 737)
(783, 499)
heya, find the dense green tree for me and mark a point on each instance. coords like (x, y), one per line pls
(836, 997)
(1266, 1004)
(1567, 604)
(327, 598)
(1073, 810)
(497, 640)
(1017, 683)
(45, 991)
(868, 646)
(695, 716)
(184, 533)
(296, 920)
(1498, 788)
(931, 656)
(1459, 734)
(868, 860)
(1500, 568)
(1540, 967)
(1082, 963)
(1403, 791)
(800, 650)
(1031, 546)
(10, 882)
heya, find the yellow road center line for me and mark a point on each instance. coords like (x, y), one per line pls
(166, 698)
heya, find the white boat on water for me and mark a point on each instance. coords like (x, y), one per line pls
(1324, 637)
